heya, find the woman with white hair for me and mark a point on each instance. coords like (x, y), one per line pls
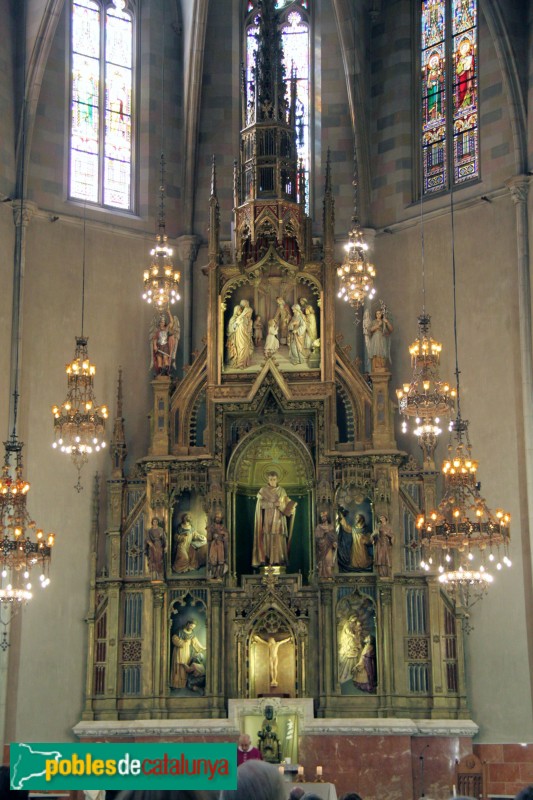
(257, 780)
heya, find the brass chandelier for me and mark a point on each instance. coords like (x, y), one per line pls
(462, 538)
(426, 401)
(356, 274)
(161, 280)
(23, 546)
(79, 422)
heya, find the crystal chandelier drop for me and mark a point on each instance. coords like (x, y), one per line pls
(462, 538)
(161, 280)
(79, 422)
(356, 274)
(426, 400)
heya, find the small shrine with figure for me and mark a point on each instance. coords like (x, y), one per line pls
(266, 548)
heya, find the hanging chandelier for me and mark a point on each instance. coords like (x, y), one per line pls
(161, 280)
(356, 274)
(427, 400)
(23, 546)
(462, 538)
(79, 422)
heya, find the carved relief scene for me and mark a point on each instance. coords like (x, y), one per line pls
(188, 657)
(356, 645)
(277, 318)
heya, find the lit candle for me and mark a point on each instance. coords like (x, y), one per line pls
(454, 793)
(281, 769)
(319, 771)
(287, 761)
(300, 770)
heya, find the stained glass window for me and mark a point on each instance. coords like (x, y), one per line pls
(296, 54)
(101, 110)
(449, 93)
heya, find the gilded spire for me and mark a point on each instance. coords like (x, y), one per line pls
(269, 71)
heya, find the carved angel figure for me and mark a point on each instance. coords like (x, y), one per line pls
(164, 340)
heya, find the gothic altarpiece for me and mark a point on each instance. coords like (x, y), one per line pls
(266, 545)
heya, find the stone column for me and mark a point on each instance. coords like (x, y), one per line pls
(519, 187)
(188, 250)
(23, 211)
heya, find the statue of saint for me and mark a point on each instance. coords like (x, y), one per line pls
(282, 317)
(273, 645)
(185, 647)
(155, 547)
(383, 541)
(312, 330)
(217, 548)
(365, 676)
(258, 331)
(326, 546)
(272, 341)
(269, 743)
(191, 546)
(353, 550)
(243, 342)
(164, 340)
(230, 332)
(350, 648)
(298, 352)
(271, 534)
(378, 341)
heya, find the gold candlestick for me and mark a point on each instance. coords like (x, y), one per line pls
(300, 778)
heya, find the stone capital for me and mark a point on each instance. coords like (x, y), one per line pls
(518, 186)
(23, 211)
(188, 246)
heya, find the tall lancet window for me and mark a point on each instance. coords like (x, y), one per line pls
(449, 93)
(101, 138)
(295, 30)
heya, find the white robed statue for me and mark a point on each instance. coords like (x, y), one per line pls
(272, 535)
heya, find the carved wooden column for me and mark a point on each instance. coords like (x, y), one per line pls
(385, 660)
(188, 250)
(383, 431)
(157, 641)
(160, 444)
(113, 630)
(326, 642)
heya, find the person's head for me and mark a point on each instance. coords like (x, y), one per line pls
(245, 303)
(296, 308)
(271, 322)
(258, 318)
(324, 516)
(309, 310)
(296, 793)
(237, 310)
(383, 518)
(190, 625)
(379, 313)
(526, 793)
(257, 779)
(166, 794)
(272, 478)
(155, 523)
(219, 516)
(361, 519)
(162, 321)
(351, 796)
(245, 742)
(5, 792)
(185, 518)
